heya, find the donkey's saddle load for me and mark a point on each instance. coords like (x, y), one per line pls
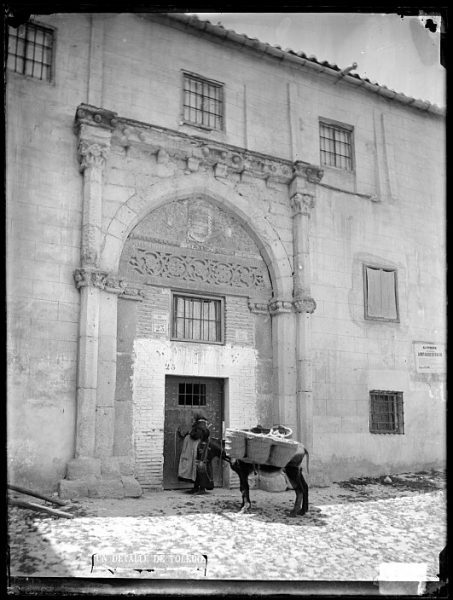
(261, 446)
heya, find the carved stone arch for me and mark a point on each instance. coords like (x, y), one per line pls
(136, 208)
(195, 244)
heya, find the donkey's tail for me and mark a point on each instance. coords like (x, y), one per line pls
(308, 456)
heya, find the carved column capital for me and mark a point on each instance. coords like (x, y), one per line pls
(311, 173)
(302, 203)
(304, 304)
(92, 154)
(107, 282)
(279, 306)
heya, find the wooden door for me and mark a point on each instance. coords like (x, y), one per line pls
(184, 396)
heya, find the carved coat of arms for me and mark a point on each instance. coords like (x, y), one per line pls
(199, 226)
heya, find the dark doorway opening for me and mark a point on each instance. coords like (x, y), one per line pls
(185, 396)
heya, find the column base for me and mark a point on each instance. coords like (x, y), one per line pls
(89, 477)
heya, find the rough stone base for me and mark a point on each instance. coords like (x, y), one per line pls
(83, 467)
(106, 488)
(121, 487)
(132, 488)
(126, 464)
(110, 468)
(110, 477)
(73, 489)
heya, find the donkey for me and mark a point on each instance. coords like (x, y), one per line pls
(293, 468)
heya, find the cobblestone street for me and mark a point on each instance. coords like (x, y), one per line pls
(350, 530)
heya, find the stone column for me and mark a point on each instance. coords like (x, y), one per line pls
(302, 196)
(283, 344)
(94, 145)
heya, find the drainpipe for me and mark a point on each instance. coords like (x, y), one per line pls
(345, 72)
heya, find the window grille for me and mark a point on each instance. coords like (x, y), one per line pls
(197, 319)
(30, 49)
(381, 299)
(336, 146)
(203, 102)
(192, 394)
(386, 412)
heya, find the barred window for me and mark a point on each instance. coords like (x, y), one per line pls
(386, 412)
(203, 102)
(30, 48)
(381, 299)
(336, 146)
(192, 394)
(197, 319)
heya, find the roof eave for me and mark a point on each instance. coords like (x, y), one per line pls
(272, 51)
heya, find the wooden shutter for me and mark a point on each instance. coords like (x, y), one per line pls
(373, 292)
(388, 296)
(381, 294)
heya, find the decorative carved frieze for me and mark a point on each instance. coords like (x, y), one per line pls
(107, 282)
(279, 306)
(302, 203)
(304, 304)
(223, 158)
(171, 145)
(173, 266)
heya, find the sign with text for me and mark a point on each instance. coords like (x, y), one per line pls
(160, 323)
(429, 358)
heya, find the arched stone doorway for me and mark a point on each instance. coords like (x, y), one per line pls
(200, 339)
(239, 182)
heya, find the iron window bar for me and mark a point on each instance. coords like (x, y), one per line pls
(30, 49)
(203, 102)
(192, 394)
(386, 412)
(197, 319)
(336, 146)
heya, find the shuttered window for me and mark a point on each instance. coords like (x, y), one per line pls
(386, 412)
(381, 300)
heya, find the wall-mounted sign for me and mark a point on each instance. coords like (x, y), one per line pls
(429, 358)
(160, 323)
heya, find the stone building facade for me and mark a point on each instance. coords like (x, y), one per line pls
(199, 220)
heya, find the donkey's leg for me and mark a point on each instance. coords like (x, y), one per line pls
(295, 477)
(304, 485)
(243, 470)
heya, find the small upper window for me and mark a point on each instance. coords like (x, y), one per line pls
(203, 102)
(336, 146)
(197, 319)
(381, 301)
(192, 394)
(386, 412)
(30, 50)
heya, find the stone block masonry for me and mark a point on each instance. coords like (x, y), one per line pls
(78, 189)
